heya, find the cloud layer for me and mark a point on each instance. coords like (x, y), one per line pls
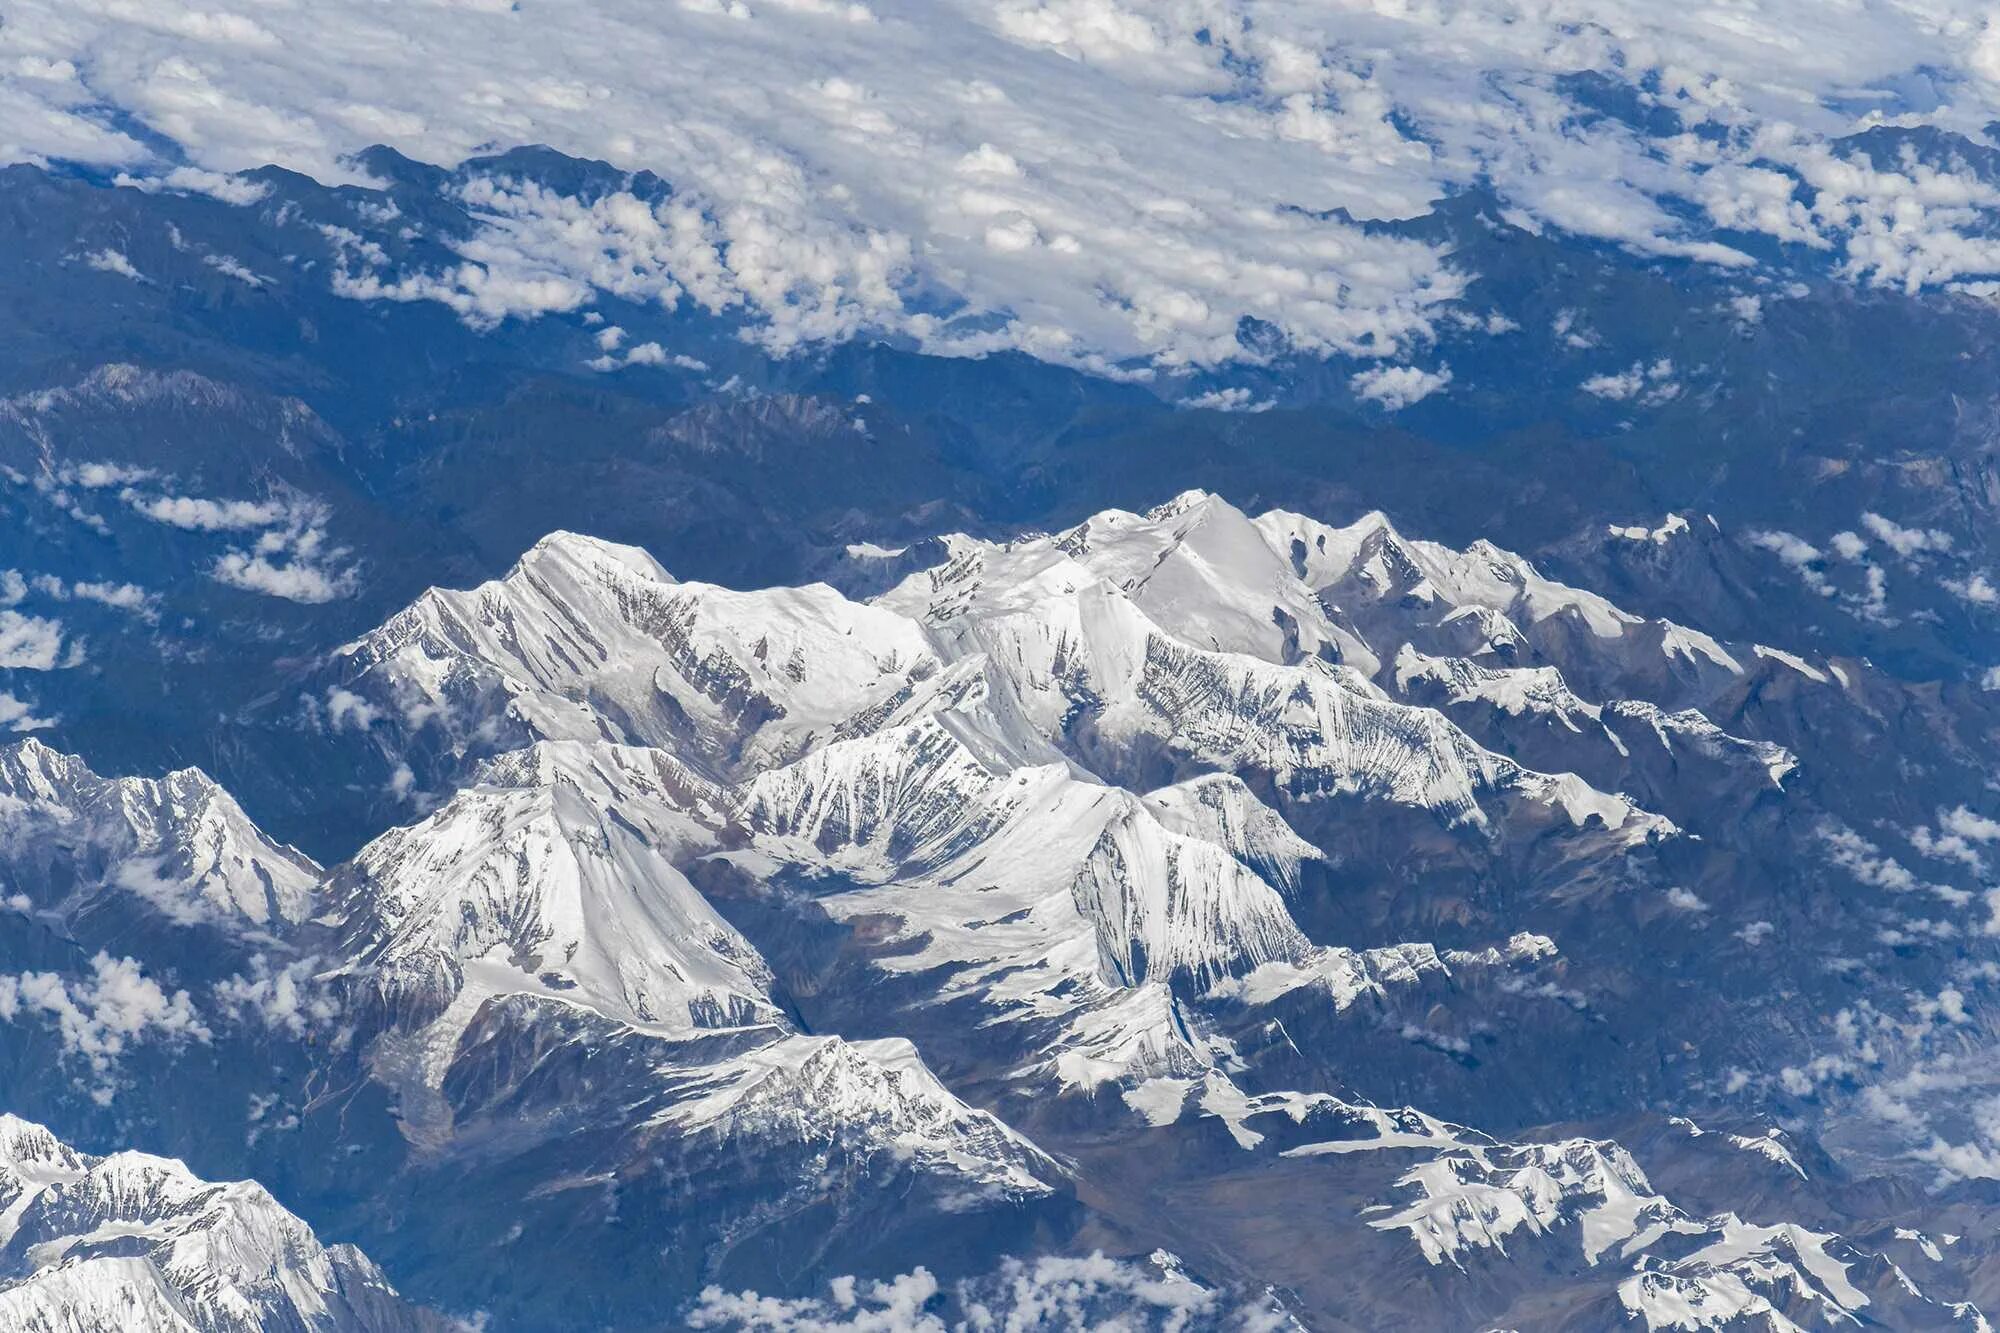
(1087, 180)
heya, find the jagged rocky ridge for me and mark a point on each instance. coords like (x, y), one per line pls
(132, 1243)
(1034, 891)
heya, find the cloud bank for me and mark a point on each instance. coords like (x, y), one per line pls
(1101, 182)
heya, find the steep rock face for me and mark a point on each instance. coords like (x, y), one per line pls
(554, 872)
(586, 639)
(1492, 601)
(1202, 570)
(1080, 885)
(1081, 663)
(1474, 1207)
(532, 980)
(179, 844)
(137, 1244)
(1220, 808)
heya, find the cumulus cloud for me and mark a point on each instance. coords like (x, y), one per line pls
(294, 581)
(232, 267)
(203, 515)
(1050, 1292)
(33, 643)
(643, 354)
(1976, 589)
(345, 709)
(100, 1016)
(1685, 900)
(15, 588)
(1959, 835)
(1397, 387)
(113, 261)
(1867, 862)
(1796, 554)
(18, 715)
(292, 556)
(1648, 384)
(1906, 542)
(228, 188)
(1227, 400)
(288, 997)
(896, 165)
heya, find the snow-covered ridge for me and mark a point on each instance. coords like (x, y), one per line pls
(557, 867)
(1479, 1202)
(132, 1243)
(179, 843)
(1179, 638)
(555, 880)
(585, 640)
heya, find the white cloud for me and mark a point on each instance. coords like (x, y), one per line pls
(295, 581)
(1685, 900)
(103, 476)
(203, 515)
(288, 997)
(1796, 554)
(31, 643)
(345, 708)
(856, 166)
(99, 1016)
(1651, 384)
(644, 354)
(1906, 542)
(1397, 387)
(1977, 589)
(193, 180)
(1867, 863)
(292, 556)
(18, 715)
(112, 261)
(230, 266)
(1052, 1292)
(1228, 400)
(14, 588)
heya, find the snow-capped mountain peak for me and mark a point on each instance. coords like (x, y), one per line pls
(133, 1243)
(180, 844)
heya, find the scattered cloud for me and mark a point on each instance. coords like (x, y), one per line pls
(230, 189)
(1796, 554)
(100, 1016)
(287, 997)
(1236, 399)
(1976, 589)
(1397, 387)
(1867, 862)
(34, 643)
(203, 515)
(1054, 1291)
(1906, 542)
(292, 557)
(18, 715)
(1685, 900)
(1648, 384)
(113, 261)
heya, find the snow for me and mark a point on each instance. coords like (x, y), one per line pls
(1769, 1145)
(558, 865)
(1794, 661)
(137, 1242)
(180, 843)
